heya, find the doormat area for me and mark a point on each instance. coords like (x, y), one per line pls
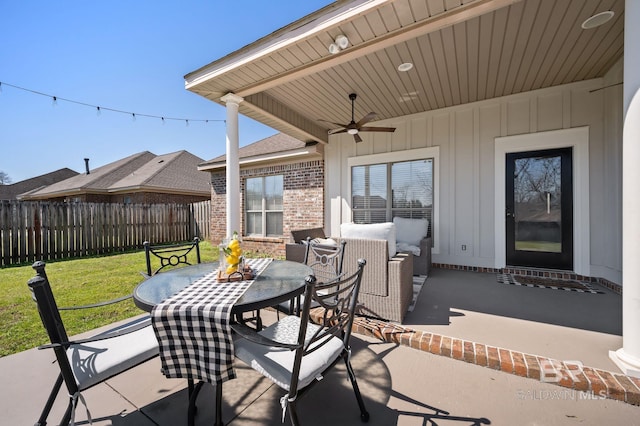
(541, 282)
(418, 282)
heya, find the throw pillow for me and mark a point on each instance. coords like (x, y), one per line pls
(371, 231)
(411, 231)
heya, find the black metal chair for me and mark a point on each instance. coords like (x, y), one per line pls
(89, 361)
(326, 262)
(294, 352)
(171, 255)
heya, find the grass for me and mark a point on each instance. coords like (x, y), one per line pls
(74, 282)
(545, 246)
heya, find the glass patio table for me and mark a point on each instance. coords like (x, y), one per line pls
(282, 280)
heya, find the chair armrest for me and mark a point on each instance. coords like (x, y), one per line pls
(96, 305)
(422, 263)
(376, 252)
(130, 327)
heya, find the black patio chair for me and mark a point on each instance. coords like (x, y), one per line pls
(326, 262)
(88, 361)
(294, 352)
(162, 256)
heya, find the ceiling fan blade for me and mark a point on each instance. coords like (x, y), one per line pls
(331, 122)
(334, 132)
(367, 118)
(377, 129)
(357, 138)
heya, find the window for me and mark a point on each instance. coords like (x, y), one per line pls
(263, 206)
(381, 192)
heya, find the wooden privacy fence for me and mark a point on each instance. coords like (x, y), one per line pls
(38, 230)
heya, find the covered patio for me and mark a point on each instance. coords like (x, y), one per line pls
(401, 384)
(465, 84)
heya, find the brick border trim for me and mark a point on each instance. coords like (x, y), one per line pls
(599, 382)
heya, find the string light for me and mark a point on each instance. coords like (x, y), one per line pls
(99, 109)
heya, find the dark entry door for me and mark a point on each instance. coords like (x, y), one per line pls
(539, 209)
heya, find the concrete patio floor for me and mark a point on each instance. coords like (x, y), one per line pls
(401, 385)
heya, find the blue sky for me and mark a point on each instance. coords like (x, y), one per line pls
(125, 55)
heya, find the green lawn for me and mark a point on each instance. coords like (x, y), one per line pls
(545, 246)
(74, 282)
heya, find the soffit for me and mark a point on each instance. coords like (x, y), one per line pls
(462, 51)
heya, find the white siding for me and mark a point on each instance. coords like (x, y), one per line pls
(465, 136)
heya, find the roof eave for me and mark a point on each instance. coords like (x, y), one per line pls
(317, 22)
(308, 151)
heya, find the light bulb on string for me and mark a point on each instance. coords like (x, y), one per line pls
(133, 116)
(162, 120)
(54, 101)
(186, 123)
(98, 112)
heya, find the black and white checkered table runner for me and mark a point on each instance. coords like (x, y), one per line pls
(193, 329)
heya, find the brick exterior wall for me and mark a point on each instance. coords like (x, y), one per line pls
(303, 203)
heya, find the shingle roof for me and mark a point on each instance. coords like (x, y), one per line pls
(175, 172)
(279, 142)
(10, 192)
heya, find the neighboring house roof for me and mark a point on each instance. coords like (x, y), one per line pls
(174, 173)
(11, 192)
(279, 147)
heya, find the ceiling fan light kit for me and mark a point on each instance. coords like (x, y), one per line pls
(354, 128)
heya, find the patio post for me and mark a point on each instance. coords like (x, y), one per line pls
(232, 102)
(627, 358)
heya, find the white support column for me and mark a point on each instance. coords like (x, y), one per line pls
(627, 358)
(233, 164)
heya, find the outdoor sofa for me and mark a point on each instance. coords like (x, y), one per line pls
(387, 282)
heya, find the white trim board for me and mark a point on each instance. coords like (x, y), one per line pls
(578, 139)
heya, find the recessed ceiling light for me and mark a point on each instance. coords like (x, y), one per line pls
(597, 20)
(405, 67)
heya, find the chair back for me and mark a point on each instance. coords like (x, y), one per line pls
(170, 255)
(325, 260)
(334, 308)
(52, 322)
